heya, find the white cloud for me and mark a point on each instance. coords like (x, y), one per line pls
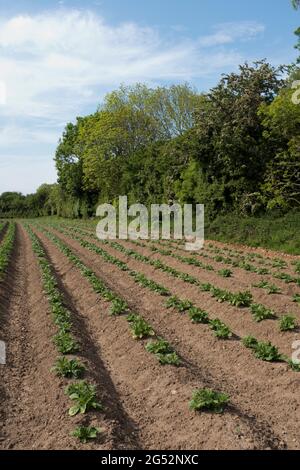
(57, 64)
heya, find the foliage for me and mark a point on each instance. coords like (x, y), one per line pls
(206, 399)
(288, 323)
(260, 312)
(85, 433)
(70, 368)
(85, 397)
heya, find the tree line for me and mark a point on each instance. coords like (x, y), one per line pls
(234, 148)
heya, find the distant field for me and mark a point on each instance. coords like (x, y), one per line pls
(151, 324)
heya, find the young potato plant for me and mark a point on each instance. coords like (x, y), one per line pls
(197, 315)
(288, 323)
(209, 400)
(139, 327)
(178, 304)
(267, 352)
(225, 273)
(221, 331)
(295, 366)
(86, 433)
(260, 312)
(296, 298)
(85, 397)
(270, 288)
(164, 352)
(68, 368)
(65, 343)
(118, 307)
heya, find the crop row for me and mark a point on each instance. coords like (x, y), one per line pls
(202, 399)
(191, 260)
(235, 263)
(6, 248)
(82, 393)
(197, 315)
(241, 299)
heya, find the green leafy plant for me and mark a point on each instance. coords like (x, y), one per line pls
(221, 330)
(164, 352)
(206, 399)
(178, 304)
(241, 299)
(65, 343)
(295, 366)
(250, 342)
(70, 368)
(225, 272)
(296, 298)
(198, 315)
(287, 323)
(85, 397)
(86, 433)
(260, 312)
(118, 307)
(139, 327)
(267, 352)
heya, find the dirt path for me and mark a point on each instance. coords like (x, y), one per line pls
(266, 395)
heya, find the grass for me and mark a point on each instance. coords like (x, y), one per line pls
(272, 231)
(208, 400)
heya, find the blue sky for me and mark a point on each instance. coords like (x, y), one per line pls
(59, 58)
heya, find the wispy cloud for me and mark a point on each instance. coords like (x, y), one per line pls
(59, 63)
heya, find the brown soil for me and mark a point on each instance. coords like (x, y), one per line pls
(265, 394)
(146, 404)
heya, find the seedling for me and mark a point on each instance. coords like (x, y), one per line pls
(260, 312)
(241, 299)
(296, 298)
(86, 433)
(118, 307)
(180, 305)
(139, 327)
(198, 316)
(85, 397)
(171, 359)
(220, 329)
(225, 272)
(164, 352)
(288, 323)
(267, 352)
(65, 343)
(295, 366)
(250, 342)
(68, 368)
(209, 400)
